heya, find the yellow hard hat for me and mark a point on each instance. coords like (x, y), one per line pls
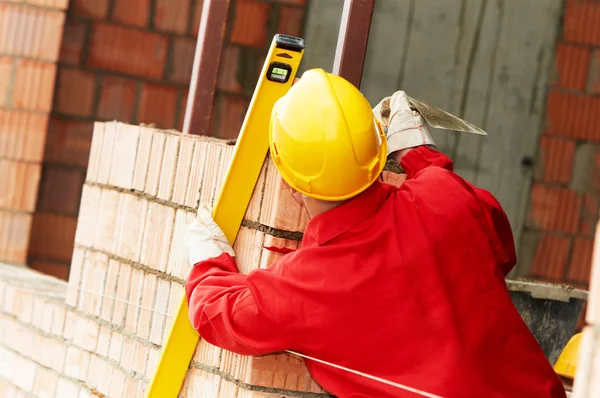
(566, 364)
(324, 138)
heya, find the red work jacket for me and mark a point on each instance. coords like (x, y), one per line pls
(406, 284)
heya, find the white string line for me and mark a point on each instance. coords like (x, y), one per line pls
(356, 372)
(368, 376)
(126, 302)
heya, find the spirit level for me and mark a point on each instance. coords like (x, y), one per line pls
(277, 76)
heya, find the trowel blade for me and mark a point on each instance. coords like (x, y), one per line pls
(441, 119)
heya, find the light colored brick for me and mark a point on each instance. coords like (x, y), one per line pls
(110, 290)
(45, 383)
(88, 215)
(75, 275)
(178, 260)
(86, 335)
(107, 219)
(95, 152)
(176, 295)
(197, 167)
(122, 295)
(279, 209)
(182, 173)
(202, 384)
(116, 383)
(169, 167)
(156, 158)
(69, 328)
(254, 207)
(147, 302)
(105, 159)
(157, 238)
(23, 374)
(106, 374)
(116, 347)
(94, 371)
(124, 156)
(152, 362)
(248, 249)
(142, 159)
(66, 388)
(207, 354)
(58, 320)
(47, 313)
(130, 228)
(135, 296)
(159, 318)
(219, 179)
(104, 338)
(77, 363)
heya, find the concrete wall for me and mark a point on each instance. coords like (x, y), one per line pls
(487, 61)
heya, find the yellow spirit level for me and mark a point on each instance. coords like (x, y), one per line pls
(277, 76)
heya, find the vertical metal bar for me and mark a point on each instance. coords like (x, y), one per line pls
(206, 66)
(352, 40)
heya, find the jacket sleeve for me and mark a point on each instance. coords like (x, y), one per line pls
(228, 310)
(499, 231)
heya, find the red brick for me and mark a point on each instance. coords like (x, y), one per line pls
(52, 236)
(72, 42)
(30, 32)
(182, 59)
(95, 9)
(117, 99)
(557, 158)
(572, 63)
(172, 15)
(550, 259)
(75, 92)
(291, 21)
(132, 12)
(554, 209)
(60, 190)
(594, 74)
(33, 85)
(127, 50)
(157, 105)
(68, 142)
(196, 17)
(228, 73)
(250, 23)
(582, 22)
(573, 115)
(19, 227)
(58, 270)
(581, 260)
(231, 114)
(6, 67)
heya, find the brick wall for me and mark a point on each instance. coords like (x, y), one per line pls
(131, 61)
(558, 239)
(30, 36)
(102, 333)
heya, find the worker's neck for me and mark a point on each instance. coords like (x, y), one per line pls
(316, 207)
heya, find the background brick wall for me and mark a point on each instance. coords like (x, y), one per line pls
(30, 37)
(131, 61)
(558, 239)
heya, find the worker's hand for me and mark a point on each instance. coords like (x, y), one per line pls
(405, 128)
(204, 239)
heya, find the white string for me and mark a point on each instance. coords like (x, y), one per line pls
(127, 302)
(368, 376)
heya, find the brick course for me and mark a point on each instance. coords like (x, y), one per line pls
(30, 38)
(564, 199)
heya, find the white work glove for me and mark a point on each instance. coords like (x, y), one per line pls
(204, 239)
(404, 127)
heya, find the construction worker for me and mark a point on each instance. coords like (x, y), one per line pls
(404, 284)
